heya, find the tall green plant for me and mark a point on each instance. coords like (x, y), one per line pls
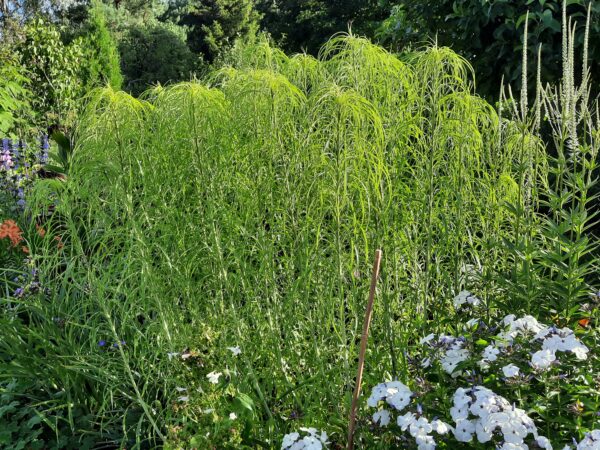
(555, 251)
(101, 60)
(244, 211)
(14, 96)
(53, 69)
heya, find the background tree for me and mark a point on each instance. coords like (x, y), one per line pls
(155, 54)
(489, 34)
(305, 25)
(27, 9)
(214, 25)
(14, 98)
(102, 57)
(54, 71)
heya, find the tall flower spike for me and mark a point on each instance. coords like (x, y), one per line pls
(524, 71)
(16, 155)
(538, 90)
(44, 146)
(572, 141)
(585, 69)
(6, 160)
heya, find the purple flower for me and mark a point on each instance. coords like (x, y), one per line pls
(19, 292)
(6, 160)
(44, 145)
(102, 343)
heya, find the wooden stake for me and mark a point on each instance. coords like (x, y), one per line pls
(363, 348)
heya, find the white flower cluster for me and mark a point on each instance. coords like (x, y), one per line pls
(451, 349)
(398, 396)
(394, 393)
(552, 340)
(454, 357)
(591, 441)
(312, 440)
(525, 326)
(465, 297)
(420, 429)
(480, 412)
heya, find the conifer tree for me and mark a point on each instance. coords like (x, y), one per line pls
(214, 25)
(102, 54)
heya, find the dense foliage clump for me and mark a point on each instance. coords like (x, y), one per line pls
(489, 34)
(101, 60)
(201, 272)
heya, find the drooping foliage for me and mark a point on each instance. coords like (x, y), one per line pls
(244, 211)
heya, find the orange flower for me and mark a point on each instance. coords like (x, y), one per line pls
(59, 242)
(9, 229)
(40, 230)
(584, 322)
(25, 249)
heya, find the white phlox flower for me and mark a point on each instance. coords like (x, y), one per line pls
(543, 359)
(490, 353)
(420, 427)
(564, 340)
(382, 417)
(427, 338)
(510, 371)
(553, 340)
(440, 427)
(591, 441)
(511, 425)
(464, 430)
(465, 297)
(524, 326)
(289, 439)
(453, 358)
(235, 350)
(406, 420)
(543, 442)
(425, 442)
(394, 393)
(483, 431)
(313, 440)
(481, 412)
(213, 377)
